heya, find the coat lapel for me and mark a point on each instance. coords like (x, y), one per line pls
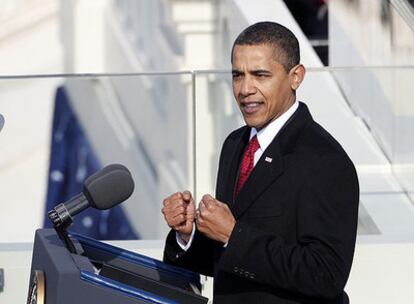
(264, 173)
(233, 157)
(267, 172)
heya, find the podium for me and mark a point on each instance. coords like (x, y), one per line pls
(101, 273)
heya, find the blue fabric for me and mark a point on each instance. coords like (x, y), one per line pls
(72, 160)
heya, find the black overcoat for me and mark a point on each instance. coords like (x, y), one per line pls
(296, 216)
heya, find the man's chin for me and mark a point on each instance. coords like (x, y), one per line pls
(258, 125)
(253, 124)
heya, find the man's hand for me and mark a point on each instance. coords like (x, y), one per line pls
(214, 219)
(179, 213)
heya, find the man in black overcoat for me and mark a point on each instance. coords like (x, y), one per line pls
(282, 225)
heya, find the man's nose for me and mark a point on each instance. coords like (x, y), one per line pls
(247, 86)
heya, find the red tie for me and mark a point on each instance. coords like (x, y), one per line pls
(247, 163)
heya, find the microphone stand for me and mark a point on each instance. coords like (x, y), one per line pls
(61, 220)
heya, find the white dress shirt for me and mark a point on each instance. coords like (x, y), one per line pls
(266, 135)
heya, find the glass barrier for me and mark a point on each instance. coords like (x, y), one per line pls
(59, 130)
(168, 128)
(368, 110)
(216, 115)
(382, 97)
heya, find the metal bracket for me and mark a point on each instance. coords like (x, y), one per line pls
(1, 279)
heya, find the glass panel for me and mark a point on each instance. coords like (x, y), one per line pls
(217, 115)
(382, 98)
(367, 110)
(143, 121)
(146, 122)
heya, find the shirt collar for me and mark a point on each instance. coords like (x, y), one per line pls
(268, 133)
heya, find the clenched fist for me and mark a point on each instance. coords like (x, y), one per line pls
(179, 213)
(214, 219)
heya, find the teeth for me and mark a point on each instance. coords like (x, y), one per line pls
(251, 105)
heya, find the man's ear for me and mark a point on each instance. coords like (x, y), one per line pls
(297, 74)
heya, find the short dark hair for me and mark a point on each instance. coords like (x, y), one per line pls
(284, 42)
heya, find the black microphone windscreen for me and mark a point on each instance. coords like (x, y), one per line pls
(109, 186)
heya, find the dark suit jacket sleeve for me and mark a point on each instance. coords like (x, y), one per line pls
(318, 264)
(198, 258)
(202, 255)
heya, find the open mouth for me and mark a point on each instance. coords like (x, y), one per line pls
(250, 107)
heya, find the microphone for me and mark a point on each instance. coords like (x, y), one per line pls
(102, 190)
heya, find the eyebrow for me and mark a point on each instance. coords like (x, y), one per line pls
(258, 71)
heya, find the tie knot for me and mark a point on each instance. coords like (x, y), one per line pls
(253, 145)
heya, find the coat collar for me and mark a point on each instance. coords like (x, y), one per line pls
(270, 166)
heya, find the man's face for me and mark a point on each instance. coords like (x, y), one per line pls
(262, 87)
